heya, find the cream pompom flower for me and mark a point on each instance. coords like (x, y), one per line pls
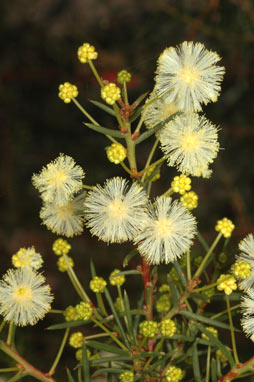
(113, 213)
(188, 76)
(66, 219)
(191, 143)
(246, 247)
(168, 233)
(247, 307)
(59, 180)
(24, 298)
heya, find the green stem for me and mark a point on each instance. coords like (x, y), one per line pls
(188, 265)
(2, 325)
(225, 311)
(119, 118)
(59, 353)
(208, 360)
(169, 192)
(232, 330)
(57, 311)
(17, 376)
(141, 344)
(95, 73)
(157, 348)
(131, 152)
(9, 338)
(122, 304)
(88, 187)
(88, 116)
(150, 158)
(9, 369)
(139, 124)
(125, 168)
(75, 282)
(204, 261)
(125, 94)
(162, 159)
(27, 367)
(111, 335)
(101, 304)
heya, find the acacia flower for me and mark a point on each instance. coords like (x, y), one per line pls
(97, 284)
(61, 246)
(59, 180)
(116, 153)
(168, 232)
(86, 52)
(110, 93)
(114, 214)
(190, 142)
(225, 226)
(246, 247)
(116, 280)
(67, 91)
(174, 374)
(123, 76)
(65, 220)
(227, 283)
(189, 200)
(27, 257)
(247, 306)
(181, 183)
(24, 298)
(188, 76)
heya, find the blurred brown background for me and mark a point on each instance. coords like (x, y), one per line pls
(39, 40)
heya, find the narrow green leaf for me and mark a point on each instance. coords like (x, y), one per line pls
(108, 348)
(85, 363)
(126, 273)
(213, 370)
(136, 103)
(92, 269)
(197, 317)
(216, 342)
(105, 131)
(195, 364)
(137, 317)
(65, 325)
(180, 273)
(136, 114)
(129, 318)
(161, 361)
(109, 359)
(180, 337)
(156, 128)
(113, 310)
(129, 257)
(103, 107)
(70, 378)
(107, 370)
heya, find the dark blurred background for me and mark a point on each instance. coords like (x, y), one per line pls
(39, 40)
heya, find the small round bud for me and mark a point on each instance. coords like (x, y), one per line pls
(164, 288)
(79, 354)
(116, 280)
(226, 283)
(189, 200)
(225, 226)
(150, 171)
(123, 76)
(116, 153)
(62, 264)
(181, 184)
(70, 314)
(163, 304)
(97, 284)
(67, 91)
(241, 269)
(119, 305)
(167, 328)
(86, 52)
(84, 311)
(148, 328)
(76, 340)
(61, 247)
(110, 93)
(173, 374)
(126, 376)
(212, 330)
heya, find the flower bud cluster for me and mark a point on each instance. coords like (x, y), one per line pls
(86, 52)
(181, 184)
(226, 283)
(116, 153)
(110, 93)
(67, 91)
(225, 226)
(116, 280)
(123, 76)
(189, 200)
(62, 263)
(61, 247)
(97, 284)
(173, 374)
(241, 269)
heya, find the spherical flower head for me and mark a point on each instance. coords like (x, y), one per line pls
(76, 340)
(79, 354)
(24, 298)
(188, 76)
(116, 153)
(86, 52)
(65, 220)
(114, 214)
(156, 110)
(226, 283)
(123, 76)
(97, 284)
(212, 330)
(150, 171)
(119, 305)
(27, 257)
(163, 304)
(173, 374)
(190, 142)
(61, 247)
(84, 311)
(110, 93)
(116, 280)
(59, 180)
(225, 226)
(189, 200)
(181, 184)
(70, 314)
(168, 233)
(164, 288)
(67, 91)
(241, 269)
(148, 328)
(247, 307)
(62, 263)
(167, 328)
(126, 376)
